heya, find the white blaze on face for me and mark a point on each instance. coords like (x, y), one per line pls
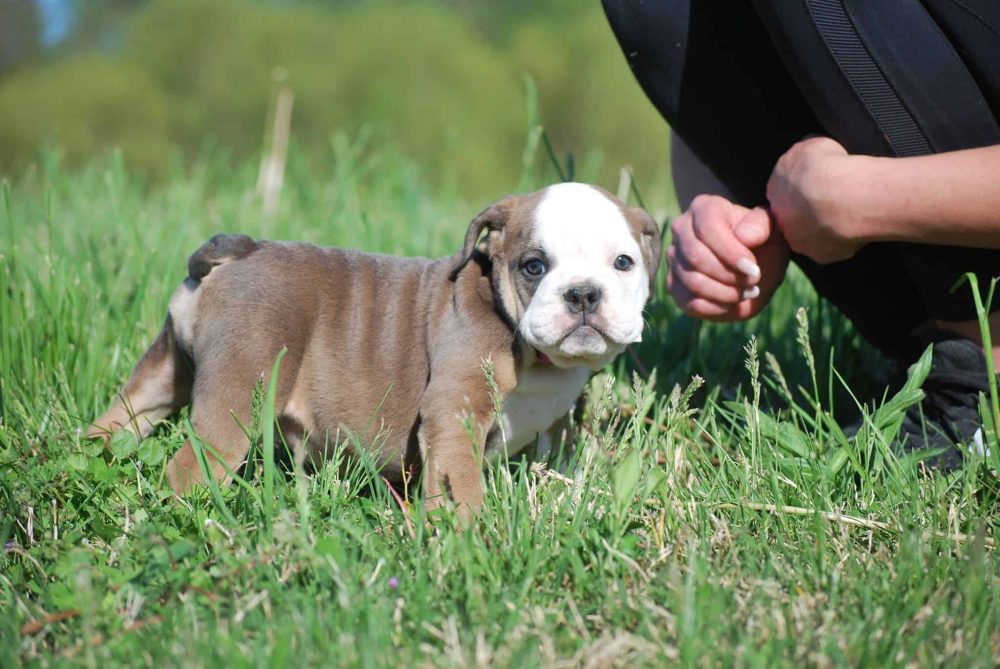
(581, 233)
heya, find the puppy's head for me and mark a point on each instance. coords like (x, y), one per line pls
(573, 268)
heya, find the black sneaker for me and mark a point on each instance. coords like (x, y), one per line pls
(948, 416)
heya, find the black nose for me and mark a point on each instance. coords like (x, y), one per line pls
(582, 298)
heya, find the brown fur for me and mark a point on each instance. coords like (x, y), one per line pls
(422, 366)
(362, 331)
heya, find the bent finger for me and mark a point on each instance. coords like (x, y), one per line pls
(711, 311)
(699, 307)
(755, 228)
(713, 228)
(694, 256)
(704, 286)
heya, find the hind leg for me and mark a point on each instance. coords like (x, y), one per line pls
(222, 402)
(160, 384)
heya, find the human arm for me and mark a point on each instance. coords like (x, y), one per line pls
(828, 203)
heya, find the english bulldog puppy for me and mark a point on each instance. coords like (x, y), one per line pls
(391, 351)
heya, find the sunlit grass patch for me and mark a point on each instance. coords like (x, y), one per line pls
(712, 521)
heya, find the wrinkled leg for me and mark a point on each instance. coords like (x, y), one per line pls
(222, 400)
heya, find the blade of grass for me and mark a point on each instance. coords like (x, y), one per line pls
(269, 425)
(199, 448)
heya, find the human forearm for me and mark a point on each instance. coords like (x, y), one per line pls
(948, 198)
(828, 203)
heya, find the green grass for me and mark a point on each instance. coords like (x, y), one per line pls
(727, 523)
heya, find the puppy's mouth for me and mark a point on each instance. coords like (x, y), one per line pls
(584, 330)
(578, 340)
(587, 341)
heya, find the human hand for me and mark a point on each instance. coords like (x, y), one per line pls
(808, 194)
(725, 260)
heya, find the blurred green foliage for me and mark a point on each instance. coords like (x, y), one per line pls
(444, 82)
(85, 105)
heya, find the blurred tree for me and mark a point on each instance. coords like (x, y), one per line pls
(100, 24)
(85, 105)
(20, 33)
(588, 98)
(417, 74)
(421, 76)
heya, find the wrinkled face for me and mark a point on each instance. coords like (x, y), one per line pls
(586, 275)
(573, 268)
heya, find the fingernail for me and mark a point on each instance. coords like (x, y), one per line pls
(751, 293)
(748, 267)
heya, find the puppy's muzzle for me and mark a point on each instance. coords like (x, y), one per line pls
(582, 299)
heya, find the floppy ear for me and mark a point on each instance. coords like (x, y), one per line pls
(494, 220)
(650, 241)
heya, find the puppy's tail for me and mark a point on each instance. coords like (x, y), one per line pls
(219, 250)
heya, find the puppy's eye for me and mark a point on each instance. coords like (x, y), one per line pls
(623, 263)
(534, 267)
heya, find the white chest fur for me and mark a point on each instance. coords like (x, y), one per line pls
(543, 395)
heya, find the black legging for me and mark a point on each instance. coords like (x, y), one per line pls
(729, 83)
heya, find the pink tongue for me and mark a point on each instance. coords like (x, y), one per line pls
(544, 359)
